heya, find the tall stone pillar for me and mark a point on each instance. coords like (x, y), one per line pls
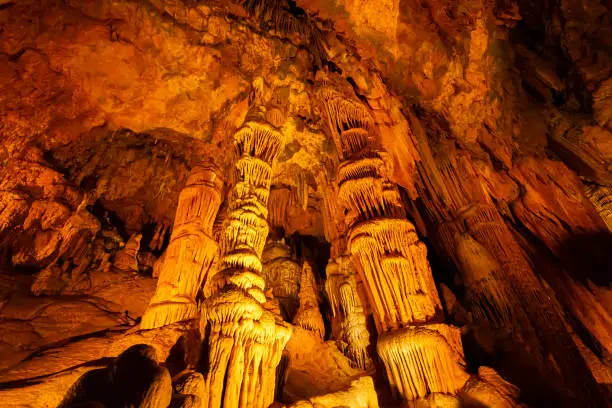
(422, 355)
(192, 252)
(347, 308)
(245, 341)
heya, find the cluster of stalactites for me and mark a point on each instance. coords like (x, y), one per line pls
(394, 265)
(423, 360)
(366, 192)
(191, 254)
(489, 297)
(245, 347)
(349, 122)
(308, 315)
(347, 308)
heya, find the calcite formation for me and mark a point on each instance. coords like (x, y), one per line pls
(126, 260)
(305, 203)
(348, 311)
(192, 252)
(421, 356)
(601, 197)
(245, 341)
(308, 315)
(282, 275)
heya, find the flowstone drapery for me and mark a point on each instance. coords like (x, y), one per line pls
(422, 355)
(245, 340)
(191, 254)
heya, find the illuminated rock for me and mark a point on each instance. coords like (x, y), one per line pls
(421, 357)
(308, 315)
(126, 260)
(347, 308)
(245, 341)
(282, 275)
(601, 197)
(360, 394)
(191, 254)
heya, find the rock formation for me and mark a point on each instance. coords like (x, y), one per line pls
(348, 311)
(245, 341)
(422, 356)
(305, 203)
(191, 254)
(126, 259)
(282, 275)
(308, 316)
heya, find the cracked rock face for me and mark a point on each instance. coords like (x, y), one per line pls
(305, 203)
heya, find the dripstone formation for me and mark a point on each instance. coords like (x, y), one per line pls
(191, 254)
(305, 204)
(245, 341)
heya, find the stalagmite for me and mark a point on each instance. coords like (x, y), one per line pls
(422, 356)
(245, 339)
(308, 315)
(192, 252)
(347, 308)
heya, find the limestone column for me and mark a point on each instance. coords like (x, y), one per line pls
(422, 355)
(245, 341)
(347, 308)
(192, 252)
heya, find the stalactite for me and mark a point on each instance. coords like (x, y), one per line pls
(308, 315)
(192, 252)
(452, 195)
(245, 338)
(423, 359)
(341, 288)
(281, 200)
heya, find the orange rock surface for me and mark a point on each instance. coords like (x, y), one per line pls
(305, 203)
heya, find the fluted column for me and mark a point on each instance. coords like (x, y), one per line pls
(245, 341)
(346, 305)
(421, 354)
(192, 252)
